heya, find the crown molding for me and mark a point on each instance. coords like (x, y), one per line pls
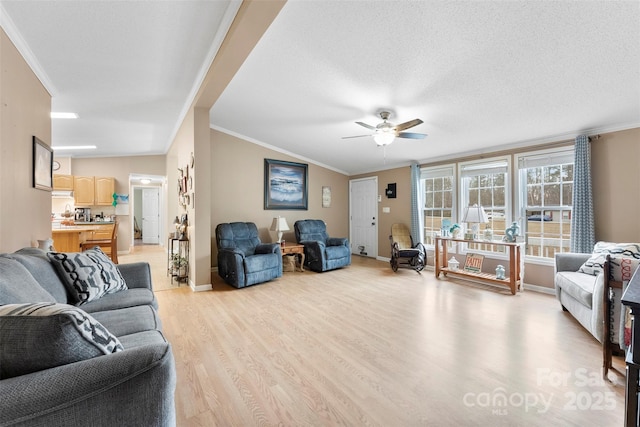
(18, 41)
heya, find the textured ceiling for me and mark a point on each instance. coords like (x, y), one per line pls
(480, 75)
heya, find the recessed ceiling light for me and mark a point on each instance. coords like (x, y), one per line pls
(74, 147)
(55, 115)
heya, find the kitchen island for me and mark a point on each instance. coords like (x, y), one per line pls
(70, 238)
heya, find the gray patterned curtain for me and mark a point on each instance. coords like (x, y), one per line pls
(582, 224)
(417, 219)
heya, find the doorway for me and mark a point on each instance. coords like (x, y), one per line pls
(147, 212)
(150, 216)
(363, 206)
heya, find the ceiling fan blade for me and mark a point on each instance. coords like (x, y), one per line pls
(366, 125)
(412, 135)
(356, 136)
(407, 125)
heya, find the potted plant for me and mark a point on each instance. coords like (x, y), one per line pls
(179, 264)
(456, 231)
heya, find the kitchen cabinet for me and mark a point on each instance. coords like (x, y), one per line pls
(93, 190)
(104, 189)
(63, 182)
(84, 190)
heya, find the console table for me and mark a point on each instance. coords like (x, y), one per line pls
(513, 281)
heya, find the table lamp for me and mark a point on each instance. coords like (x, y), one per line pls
(279, 224)
(475, 215)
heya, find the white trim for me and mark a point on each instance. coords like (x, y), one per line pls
(16, 38)
(200, 288)
(540, 289)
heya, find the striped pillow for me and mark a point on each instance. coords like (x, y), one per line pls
(88, 275)
(37, 336)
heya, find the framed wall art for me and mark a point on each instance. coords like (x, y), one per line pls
(326, 197)
(42, 165)
(285, 185)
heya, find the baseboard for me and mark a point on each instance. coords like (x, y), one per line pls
(200, 288)
(541, 289)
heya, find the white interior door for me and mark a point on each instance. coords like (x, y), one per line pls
(363, 205)
(151, 216)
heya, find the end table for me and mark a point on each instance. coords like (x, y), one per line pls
(293, 248)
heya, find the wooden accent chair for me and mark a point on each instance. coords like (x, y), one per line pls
(108, 246)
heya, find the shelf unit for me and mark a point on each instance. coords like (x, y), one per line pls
(513, 281)
(178, 247)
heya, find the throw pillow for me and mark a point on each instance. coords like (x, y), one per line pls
(595, 264)
(17, 285)
(37, 336)
(88, 275)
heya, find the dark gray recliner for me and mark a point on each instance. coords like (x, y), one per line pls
(321, 252)
(243, 260)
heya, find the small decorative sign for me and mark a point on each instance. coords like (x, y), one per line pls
(473, 263)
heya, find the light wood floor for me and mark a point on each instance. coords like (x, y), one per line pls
(365, 346)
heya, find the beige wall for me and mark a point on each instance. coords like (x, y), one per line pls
(25, 107)
(237, 190)
(120, 168)
(615, 162)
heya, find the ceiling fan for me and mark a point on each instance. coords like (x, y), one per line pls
(386, 132)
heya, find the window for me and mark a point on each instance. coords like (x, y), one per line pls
(546, 193)
(486, 184)
(439, 193)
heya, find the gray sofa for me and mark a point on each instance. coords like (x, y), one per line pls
(132, 386)
(580, 294)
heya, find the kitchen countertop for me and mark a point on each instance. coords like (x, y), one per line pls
(94, 222)
(70, 229)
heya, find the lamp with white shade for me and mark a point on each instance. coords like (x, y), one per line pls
(279, 225)
(475, 215)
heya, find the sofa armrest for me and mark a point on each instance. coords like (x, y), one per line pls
(231, 266)
(136, 274)
(337, 241)
(268, 248)
(570, 261)
(132, 387)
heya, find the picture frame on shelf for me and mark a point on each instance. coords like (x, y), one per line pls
(473, 263)
(42, 165)
(285, 185)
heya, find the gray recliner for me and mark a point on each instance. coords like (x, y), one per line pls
(321, 252)
(243, 260)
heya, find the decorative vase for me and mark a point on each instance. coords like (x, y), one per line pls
(512, 232)
(500, 272)
(46, 245)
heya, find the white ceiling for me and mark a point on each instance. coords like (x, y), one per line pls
(480, 75)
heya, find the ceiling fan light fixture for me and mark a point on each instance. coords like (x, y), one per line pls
(384, 137)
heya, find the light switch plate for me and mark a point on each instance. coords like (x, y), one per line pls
(386, 209)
